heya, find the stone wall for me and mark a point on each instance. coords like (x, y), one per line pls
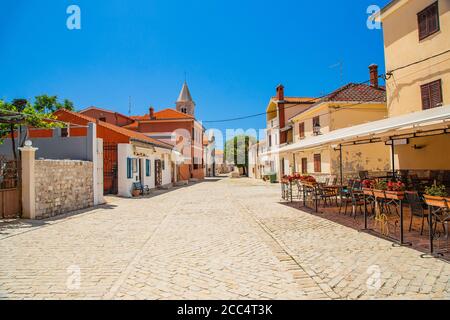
(63, 186)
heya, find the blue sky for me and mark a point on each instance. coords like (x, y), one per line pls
(234, 52)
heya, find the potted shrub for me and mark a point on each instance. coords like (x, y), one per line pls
(435, 196)
(309, 181)
(136, 193)
(285, 180)
(395, 190)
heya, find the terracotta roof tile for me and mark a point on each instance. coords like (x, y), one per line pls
(353, 92)
(165, 114)
(358, 93)
(120, 130)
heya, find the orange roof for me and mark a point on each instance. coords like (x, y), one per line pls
(144, 117)
(172, 114)
(132, 126)
(60, 114)
(166, 114)
(106, 111)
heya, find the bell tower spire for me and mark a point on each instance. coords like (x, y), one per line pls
(184, 103)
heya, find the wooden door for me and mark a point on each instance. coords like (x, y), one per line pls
(158, 173)
(110, 161)
(10, 204)
(304, 165)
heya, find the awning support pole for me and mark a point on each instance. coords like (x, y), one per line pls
(340, 165)
(393, 158)
(295, 165)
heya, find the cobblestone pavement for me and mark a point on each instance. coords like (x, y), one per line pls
(226, 239)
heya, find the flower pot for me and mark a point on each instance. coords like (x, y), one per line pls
(136, 193)
(367, 191)
(436, 201)
(379, 193)
(395, 195)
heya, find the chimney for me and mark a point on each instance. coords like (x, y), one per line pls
(373, 75)
(280, 93)
(281, 112)
(151, 112)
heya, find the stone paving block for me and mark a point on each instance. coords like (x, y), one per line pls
(238, 242)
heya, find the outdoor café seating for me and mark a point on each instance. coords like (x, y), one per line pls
(399, 211)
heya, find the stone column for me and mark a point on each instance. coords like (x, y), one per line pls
(28, 154)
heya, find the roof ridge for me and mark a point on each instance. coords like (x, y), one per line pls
(175, 111)
(129, 133)
(106, 110)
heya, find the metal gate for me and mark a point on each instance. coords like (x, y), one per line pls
(110, 184)
(10, 205)
(158, 173)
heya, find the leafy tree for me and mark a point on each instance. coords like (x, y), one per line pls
(236, 151)
(38, 114)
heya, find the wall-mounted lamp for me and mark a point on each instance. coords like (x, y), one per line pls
(316, 130)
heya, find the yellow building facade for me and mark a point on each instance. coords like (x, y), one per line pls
(417, 44)
(324, 161)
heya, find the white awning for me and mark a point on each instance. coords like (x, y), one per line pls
(432, 119)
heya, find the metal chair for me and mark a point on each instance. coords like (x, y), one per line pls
(335, 179)
(357, 201)
(363, 175)
(415, 182)
(345, 196)
(417, 207)
(327, 194)
(299, 189)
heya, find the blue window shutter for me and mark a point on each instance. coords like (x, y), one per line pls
(147, 167)
(129, 168)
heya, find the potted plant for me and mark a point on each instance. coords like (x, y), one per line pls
(395, 190)
(435, 196)
(309, 180)
(379, 188)
(367, 186)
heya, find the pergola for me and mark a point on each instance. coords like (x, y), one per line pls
(393, 132)
(11, 117)
(429, 122)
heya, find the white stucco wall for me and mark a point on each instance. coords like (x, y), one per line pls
(166, 173)
(125, 151)
(98, 174)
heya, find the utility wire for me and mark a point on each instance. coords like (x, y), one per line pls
(383, 76)
(313, 100)
(417, 62)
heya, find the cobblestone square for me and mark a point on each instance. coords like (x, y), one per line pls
(219, 239)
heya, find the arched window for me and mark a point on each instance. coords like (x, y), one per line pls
(184, 110)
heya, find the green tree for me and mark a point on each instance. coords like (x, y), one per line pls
(236, 151)
(38, 114)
